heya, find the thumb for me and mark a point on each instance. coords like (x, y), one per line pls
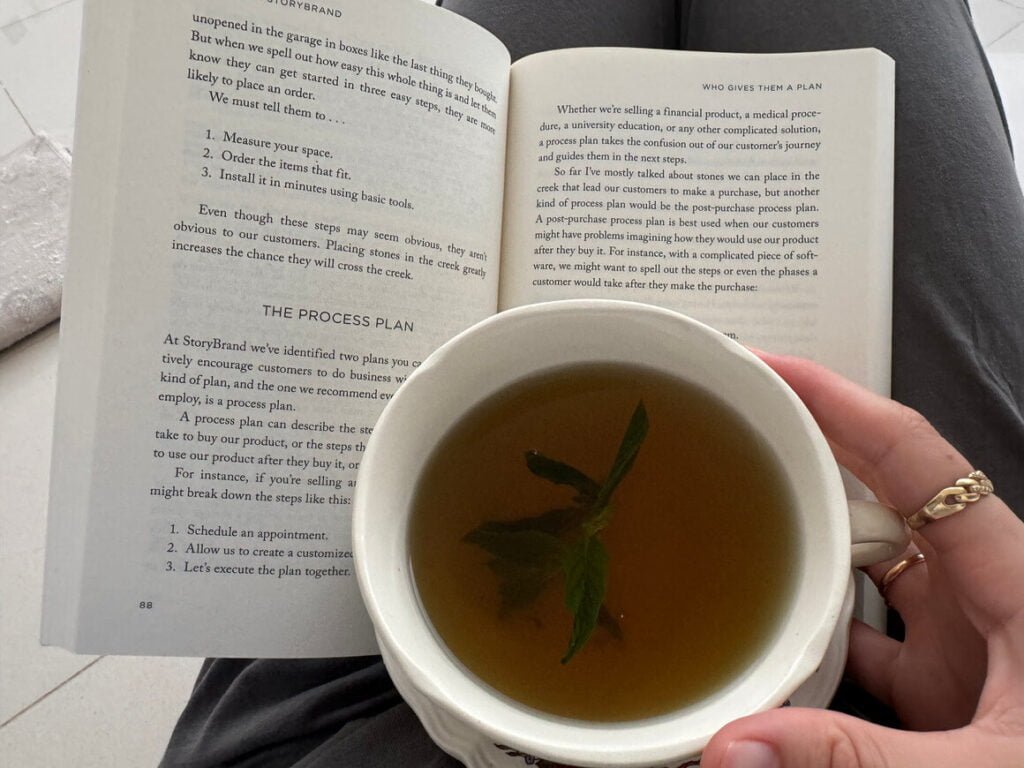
(815, 738)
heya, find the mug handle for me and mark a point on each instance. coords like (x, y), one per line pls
(877, 532)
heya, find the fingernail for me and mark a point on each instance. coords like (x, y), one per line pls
(751, 754)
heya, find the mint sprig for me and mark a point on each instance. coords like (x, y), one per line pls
(529, 552)
(586, 579)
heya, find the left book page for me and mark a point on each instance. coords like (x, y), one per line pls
(278, 210)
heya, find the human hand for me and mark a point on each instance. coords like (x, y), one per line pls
(959, 674)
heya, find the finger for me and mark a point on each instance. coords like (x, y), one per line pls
(943, 659)
(871, 663)
(901, 457)
(888, 446)
(903, 582)
(814, 738)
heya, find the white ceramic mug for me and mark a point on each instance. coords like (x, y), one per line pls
(485, 728)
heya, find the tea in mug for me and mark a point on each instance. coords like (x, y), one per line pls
(604, 542)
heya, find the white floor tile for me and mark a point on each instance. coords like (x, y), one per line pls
(118, 712)
(994, 18)
(13, 129)
(1011, 42)
(16, 11)
(39, 66)
(27, 375)
(1008, 69)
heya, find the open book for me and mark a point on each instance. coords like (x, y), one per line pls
(281, 208)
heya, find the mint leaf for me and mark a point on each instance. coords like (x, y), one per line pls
(628, 449)
(561, 473)
(527, 553)
(525, 561)
(597, 522)
(527, 547)
(554, 521)
(586, 578)
(521, 584)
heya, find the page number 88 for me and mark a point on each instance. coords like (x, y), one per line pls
(145, 604)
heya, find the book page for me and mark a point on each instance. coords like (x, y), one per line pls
(752, 192)
(280, 208)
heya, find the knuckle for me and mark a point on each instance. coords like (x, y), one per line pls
(914, 422)
(909, 430)
(914, 427)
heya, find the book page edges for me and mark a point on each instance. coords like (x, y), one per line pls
(84, 308)
(879, 315)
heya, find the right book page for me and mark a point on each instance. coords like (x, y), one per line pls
(751, 192)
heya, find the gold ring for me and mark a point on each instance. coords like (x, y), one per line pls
(894, 573)
(951, 500)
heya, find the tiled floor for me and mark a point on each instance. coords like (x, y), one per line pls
(58, 709)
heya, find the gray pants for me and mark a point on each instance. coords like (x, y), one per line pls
(958, 326)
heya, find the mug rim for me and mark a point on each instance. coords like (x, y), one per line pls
(454, 688)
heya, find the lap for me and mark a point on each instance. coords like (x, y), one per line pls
(958, 351)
